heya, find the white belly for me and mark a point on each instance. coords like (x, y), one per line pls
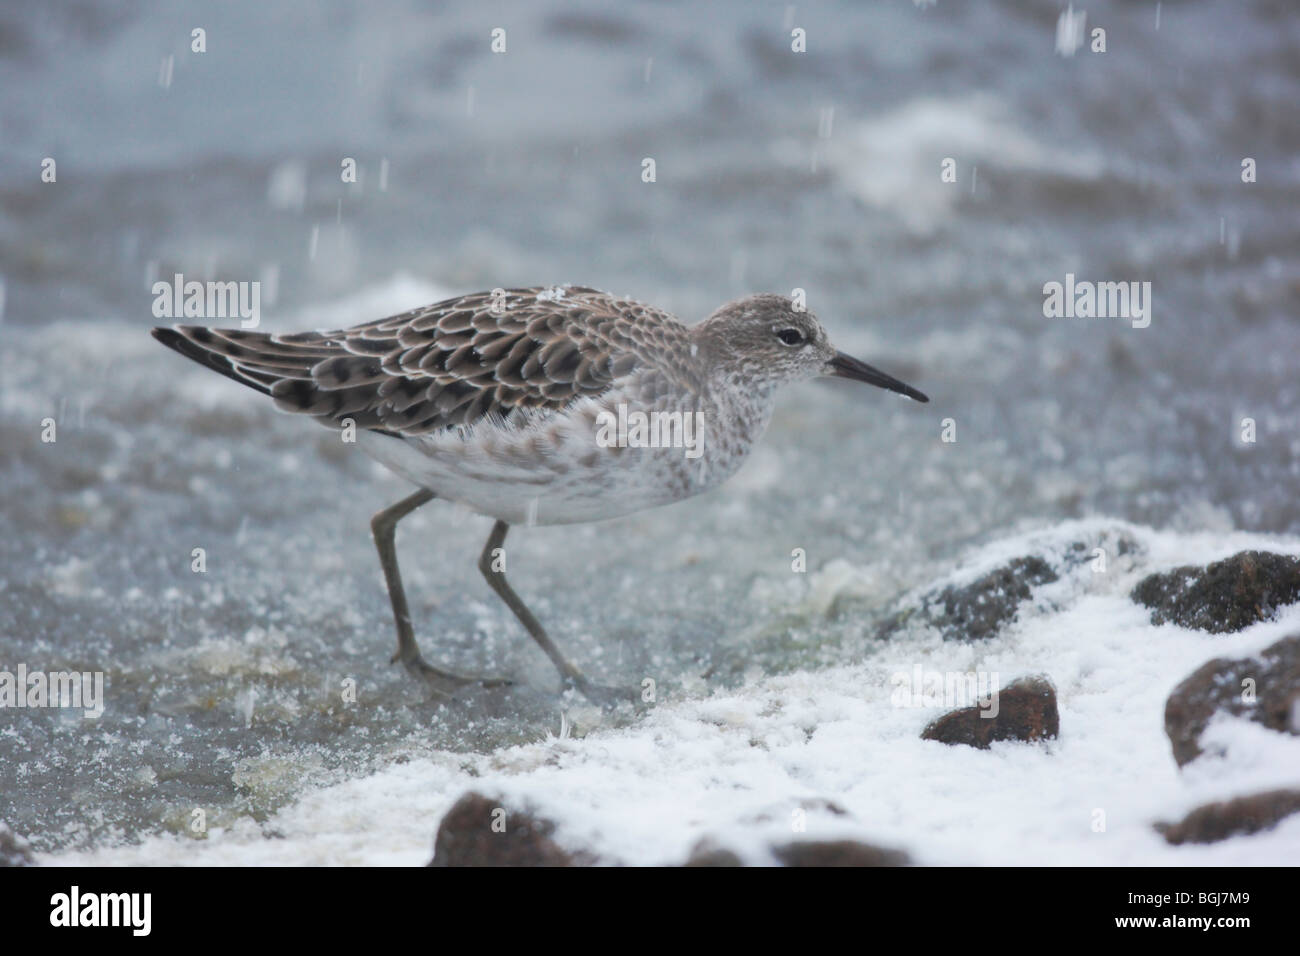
(562, 468)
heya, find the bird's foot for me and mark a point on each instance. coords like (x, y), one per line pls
(443, 682)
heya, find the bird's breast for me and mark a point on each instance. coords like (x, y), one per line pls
(625, 451)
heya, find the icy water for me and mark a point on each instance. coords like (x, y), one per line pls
(774, 170)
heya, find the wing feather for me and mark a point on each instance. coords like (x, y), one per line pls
(455, 362)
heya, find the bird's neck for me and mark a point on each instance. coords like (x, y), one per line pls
(738, 413)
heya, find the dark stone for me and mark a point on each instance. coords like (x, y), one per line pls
(838, 853)
(1216, 687)
(1026, 711)
(14, 850)
(982, 608)
(708, 853)
(1225, 596)
(1218, 821)
(466, 838)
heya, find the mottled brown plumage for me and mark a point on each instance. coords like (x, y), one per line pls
(455, 362)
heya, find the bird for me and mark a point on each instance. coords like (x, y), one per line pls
(546, 405)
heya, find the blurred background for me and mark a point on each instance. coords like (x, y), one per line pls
(774, 170)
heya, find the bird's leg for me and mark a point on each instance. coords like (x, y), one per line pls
(384, 526)
(605, 696)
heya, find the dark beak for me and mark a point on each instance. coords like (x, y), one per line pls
(846, 366)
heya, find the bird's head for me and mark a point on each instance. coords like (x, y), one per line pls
(762, 340)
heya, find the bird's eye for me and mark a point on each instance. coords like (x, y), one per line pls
(790, 336)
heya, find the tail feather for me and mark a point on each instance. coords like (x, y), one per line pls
(303, 373)
(189, 341)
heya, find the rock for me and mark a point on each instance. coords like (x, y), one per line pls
(1026, 710)
(14, 850)
(466, 837)
(805, 853)
(1216, 687)
(708, 853)
(1218, 821)
(978, 610)
(838, 853)
(1225, 596)
(982, 608)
